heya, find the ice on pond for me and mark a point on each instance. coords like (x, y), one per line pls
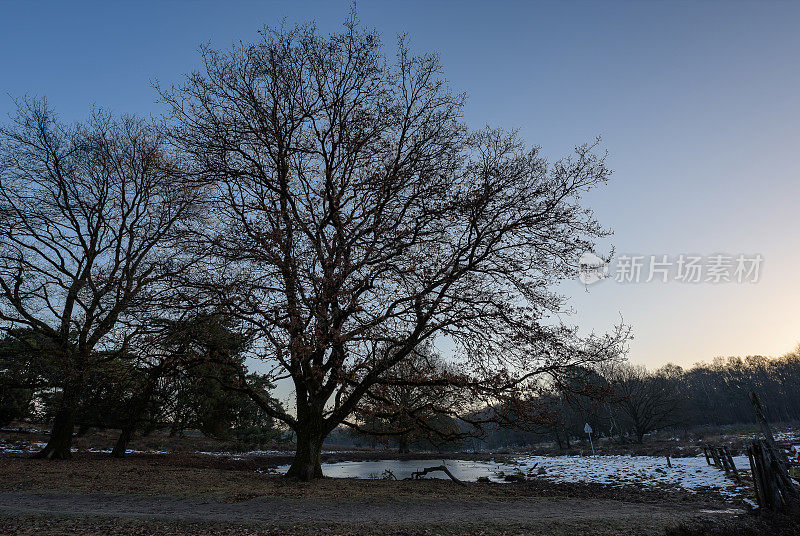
(691, 474)
(461, 469)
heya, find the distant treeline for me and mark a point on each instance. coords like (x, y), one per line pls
(717, 391)
(627, 403)
(639, 401)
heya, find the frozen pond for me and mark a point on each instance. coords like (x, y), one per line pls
(461, 469)
(691, 474)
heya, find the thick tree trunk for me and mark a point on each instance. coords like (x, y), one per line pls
(59, 446)
(307, 458)
(310, 434)
(121, 445)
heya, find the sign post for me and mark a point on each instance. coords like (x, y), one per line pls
(588, 430)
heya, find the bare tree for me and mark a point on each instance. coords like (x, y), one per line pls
(355, 217)
(647, 401)
(419, 399)
(87, 212)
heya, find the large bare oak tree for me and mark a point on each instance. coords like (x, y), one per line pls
(86, 215)
(355, 217)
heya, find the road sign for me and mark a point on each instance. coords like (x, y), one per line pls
(587, 428)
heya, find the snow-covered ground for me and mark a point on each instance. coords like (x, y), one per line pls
(247, 454)
(7, 447)
(253, 453)
(692, 474)
(787, 436)
(129, 451)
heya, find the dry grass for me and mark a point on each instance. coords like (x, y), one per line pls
(52, 526)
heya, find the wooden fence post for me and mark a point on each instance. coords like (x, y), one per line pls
(727, 454)
(721, 454)
(754, 471)
(778, 485)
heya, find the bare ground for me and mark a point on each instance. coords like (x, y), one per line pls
(24, 513)
(345, 510)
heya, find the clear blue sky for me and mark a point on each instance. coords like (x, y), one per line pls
(697, 103)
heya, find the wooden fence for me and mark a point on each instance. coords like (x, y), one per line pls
(774, 488)
(721, 457)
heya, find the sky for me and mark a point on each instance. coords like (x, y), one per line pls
(696, 102)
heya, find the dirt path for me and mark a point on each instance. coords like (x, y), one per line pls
(277, 510)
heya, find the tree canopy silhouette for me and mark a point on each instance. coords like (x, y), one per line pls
(354, 217)
(87, 214)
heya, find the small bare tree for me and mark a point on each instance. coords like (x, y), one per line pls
(87, 213)
(419, 399)
(647, 401)
(354, 217)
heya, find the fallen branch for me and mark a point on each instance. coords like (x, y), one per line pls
(419, 474)
(389, 475)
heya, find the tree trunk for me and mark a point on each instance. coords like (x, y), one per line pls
(558, 440)
(59, 445)
(177, 427)
(403, 444)
(122, 442)
(137, 410)
(307, 464)
(149, 428)
(310, 434)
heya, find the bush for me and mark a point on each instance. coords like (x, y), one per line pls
(15, 404)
